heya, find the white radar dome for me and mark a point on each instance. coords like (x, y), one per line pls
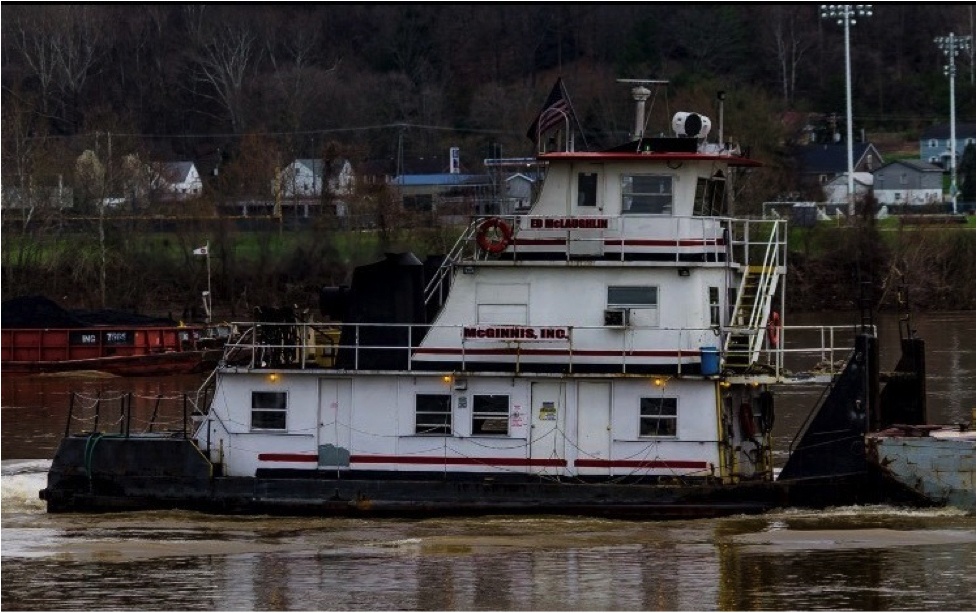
(691, 124)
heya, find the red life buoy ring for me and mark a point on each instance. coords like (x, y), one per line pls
(773, 329)
(493, 235)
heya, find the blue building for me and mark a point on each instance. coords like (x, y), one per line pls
(934, 143)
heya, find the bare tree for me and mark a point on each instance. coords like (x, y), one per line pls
(224, 57)
(790, 40)
(35, 42)
(60, 45)
(292, 52)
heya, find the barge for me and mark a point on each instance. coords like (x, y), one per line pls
(615, 351)
(38, 336)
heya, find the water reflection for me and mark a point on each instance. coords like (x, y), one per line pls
(547, 564)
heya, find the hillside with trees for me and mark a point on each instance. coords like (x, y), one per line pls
(92, 91)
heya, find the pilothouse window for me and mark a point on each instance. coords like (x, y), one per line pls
(646, 194)
(269, 410)
(710, 196)
(587, 189)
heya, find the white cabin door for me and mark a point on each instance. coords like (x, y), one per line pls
(546, 442)
(593, 427)
(335, 415)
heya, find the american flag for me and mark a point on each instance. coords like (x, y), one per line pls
(556, 112)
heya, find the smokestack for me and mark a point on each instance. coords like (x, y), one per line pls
(640, 94)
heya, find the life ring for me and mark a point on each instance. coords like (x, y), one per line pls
(493, 235)
(773, 329)
(747, 424)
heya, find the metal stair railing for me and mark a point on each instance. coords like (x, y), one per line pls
(744, 340)
(435, 286)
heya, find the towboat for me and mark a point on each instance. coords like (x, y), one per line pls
(615, 351)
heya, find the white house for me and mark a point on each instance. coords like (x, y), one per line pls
(177, 180)
(836, 190)
(304, 177)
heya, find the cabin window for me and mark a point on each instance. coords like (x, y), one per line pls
(646, 194)
(659, 417)
(490, 414)
(933, 142)
(710, 196)
(714, 307)
(432, 414)
(268, 410)
(587, 189)
(633, 298)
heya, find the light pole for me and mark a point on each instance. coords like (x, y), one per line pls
(845, 15)
(952, 46)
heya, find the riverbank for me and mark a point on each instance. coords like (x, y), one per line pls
(830, 266)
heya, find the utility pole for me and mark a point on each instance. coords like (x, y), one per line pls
(845, 15)
(952, 46)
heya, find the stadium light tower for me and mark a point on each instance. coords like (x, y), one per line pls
(952, 46)
(845, 15)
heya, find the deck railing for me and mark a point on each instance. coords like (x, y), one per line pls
(805, 352)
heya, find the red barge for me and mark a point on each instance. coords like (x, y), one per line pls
(40, 337)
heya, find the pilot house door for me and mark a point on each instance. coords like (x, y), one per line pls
(546, 442)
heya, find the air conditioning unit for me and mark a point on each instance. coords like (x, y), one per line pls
(617, 318)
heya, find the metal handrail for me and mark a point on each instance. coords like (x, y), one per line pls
(314, 340)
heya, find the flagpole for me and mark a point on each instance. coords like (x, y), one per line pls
(209, 303)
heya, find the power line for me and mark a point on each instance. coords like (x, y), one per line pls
(388, 126)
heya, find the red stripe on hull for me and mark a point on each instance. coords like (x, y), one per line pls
(287, 457)
(426, 460)
(640, 464)
(458, 461)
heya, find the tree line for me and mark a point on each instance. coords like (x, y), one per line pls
(243, 89)
(185, 79)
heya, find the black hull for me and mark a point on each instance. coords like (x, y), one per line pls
(126, 474)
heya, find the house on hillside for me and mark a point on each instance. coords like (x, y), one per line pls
(909, 182)
(836, 190)
(452, 194)
(305, 177)
(177, 180)
(934, 143)
(820, 164)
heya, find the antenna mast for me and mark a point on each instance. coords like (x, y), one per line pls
(641, 94)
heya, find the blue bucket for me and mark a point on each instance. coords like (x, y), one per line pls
(710, 360)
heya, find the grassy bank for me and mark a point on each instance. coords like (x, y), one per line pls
(829, 265)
